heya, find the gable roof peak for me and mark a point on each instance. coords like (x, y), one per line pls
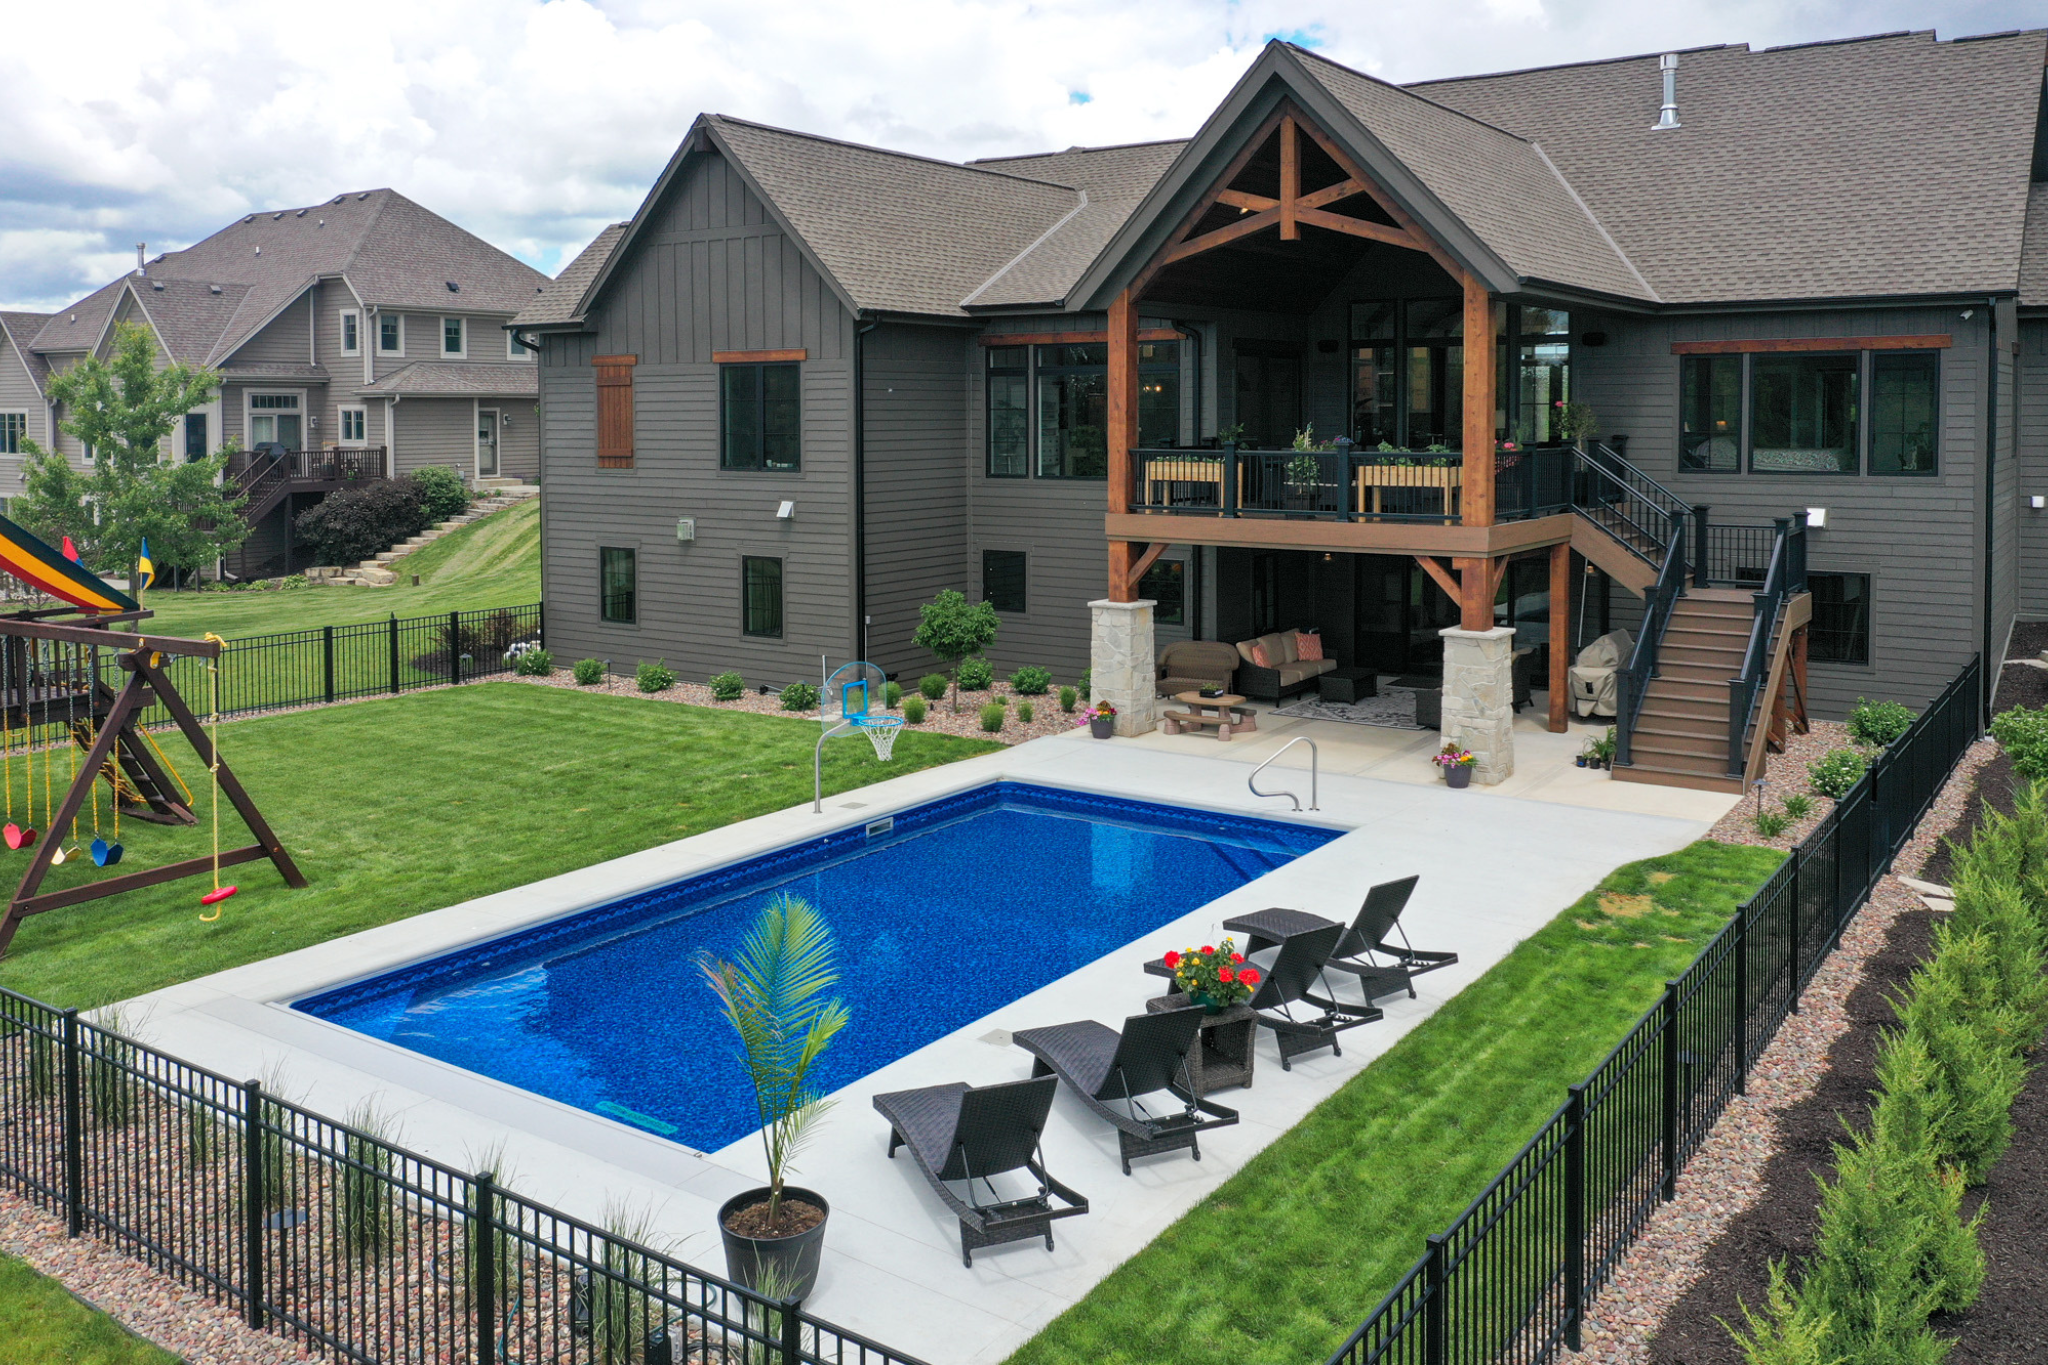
(1402, 89)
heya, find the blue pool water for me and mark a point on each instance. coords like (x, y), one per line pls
(964, 905)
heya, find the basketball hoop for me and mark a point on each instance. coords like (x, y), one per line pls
(847, 702)
(881, 732)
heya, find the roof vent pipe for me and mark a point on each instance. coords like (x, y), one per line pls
(141, 248)
(1667, 117)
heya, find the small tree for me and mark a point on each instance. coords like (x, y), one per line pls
(953, 628)
(122, 409)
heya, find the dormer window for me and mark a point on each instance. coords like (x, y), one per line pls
(391, 334)
(453, 341)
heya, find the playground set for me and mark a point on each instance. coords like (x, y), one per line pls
(59, 704)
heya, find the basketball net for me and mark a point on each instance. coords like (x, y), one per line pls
(881, 732)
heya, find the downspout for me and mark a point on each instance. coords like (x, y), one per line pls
(860, 488)
(1990, 669)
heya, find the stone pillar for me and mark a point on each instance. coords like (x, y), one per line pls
(1479, 697)
(1122, 663)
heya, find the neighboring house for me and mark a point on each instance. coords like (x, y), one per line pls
(811, 383)
(364, 335)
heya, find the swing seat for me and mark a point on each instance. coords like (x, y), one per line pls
(18, 837)
(105, 854)
(216, 897)
(62, 854)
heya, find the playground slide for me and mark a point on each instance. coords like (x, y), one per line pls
(47, 571)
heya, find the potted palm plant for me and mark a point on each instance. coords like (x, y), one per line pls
(771, 997)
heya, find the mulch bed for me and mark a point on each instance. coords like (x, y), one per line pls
(2018, 685)
(2009, 1321)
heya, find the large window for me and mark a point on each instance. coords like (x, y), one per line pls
(1002, 579)
(1159, 393)
(1408, 373)
(761, 597)
(1073, 411)
(1802, 413)
(1840, 632)
(760, 417)
(1710, 417)
(1009, 412)
(618, 585)
(274, 419)
(1165, 583)
(1905, 389)
(1543, 372)
(13, 426)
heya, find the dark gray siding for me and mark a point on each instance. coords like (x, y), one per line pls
(2032, 465)
(1919, 538)
(711, 273)
(916, 417)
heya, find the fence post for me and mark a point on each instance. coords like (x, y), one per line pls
(1435, 1315)
(74, 1131)
(1741, 1010)
(792, 1333)
(393, 636)
(327, 658)
(455, 646)
(1575, 1216)
(1669, 1023)
(252, 1203)
(483, 1265)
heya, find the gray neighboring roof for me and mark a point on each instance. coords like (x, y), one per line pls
(444, 379)
(1894, 165)
(79, 327)
(1112, 179)
(189, 315)
(2034, 255)
(21, 329)
(562, 298)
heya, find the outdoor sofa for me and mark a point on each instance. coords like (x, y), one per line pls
(1285, 671)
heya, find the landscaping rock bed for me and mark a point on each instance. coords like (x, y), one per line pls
(1785, 775)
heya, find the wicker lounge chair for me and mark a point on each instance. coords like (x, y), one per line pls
(1360, 950)
(1290, 981)
(1110, 1071)
(975, 1133)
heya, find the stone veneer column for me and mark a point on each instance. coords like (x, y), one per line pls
(1122, 663)
(1478, 698)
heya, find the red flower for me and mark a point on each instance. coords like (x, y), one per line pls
(1249, 976)
(1237, 957)
(1225, 975)
(1206, 949)
(1172, 961)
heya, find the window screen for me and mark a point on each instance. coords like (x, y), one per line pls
(1904, 389)
(1711, 417)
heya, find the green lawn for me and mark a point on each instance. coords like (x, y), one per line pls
(41, 1324)
(400, 805)
(1283, 1261)
(494, 562)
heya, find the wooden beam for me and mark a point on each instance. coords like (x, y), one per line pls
(1497, 575)
(1070, 338)
(1251, 203)
(1209, 241)
(1560, 637)
(1335, 535)
(1122, 433)
(759, 357)
(1208, 201)
(1329, 194)
(1475, 601)
(1479, 404)
(130, 881)
(111, 639)
(1145, 563)
(1385, 200)
(1359, 227)
(1441, 575)
(1121, 589)
(1939, 341)
(1290, 179)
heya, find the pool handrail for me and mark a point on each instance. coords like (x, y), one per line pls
(1313, 762)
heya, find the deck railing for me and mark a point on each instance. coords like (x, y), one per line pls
(1784, 577)
(1511, 1278)
(333, 463)
(1344, 484)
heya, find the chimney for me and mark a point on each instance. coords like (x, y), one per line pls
(141, 248)
(1667, 117)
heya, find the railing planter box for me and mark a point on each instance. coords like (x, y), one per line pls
(787, 1267)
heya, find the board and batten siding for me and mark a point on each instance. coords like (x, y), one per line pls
(1920, 539)
(2031, 466)
(711, 272)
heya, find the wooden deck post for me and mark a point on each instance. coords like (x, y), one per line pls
(1560, 636)
(1476, 602)
(1122, 434)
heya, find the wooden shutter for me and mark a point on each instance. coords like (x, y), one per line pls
(615, 411)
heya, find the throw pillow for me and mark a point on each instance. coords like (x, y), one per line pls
(1259, 655)
(1308, 648)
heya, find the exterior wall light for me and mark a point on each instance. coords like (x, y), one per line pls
(1816, 518)
(785, 512)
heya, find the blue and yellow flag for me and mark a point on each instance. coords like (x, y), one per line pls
(145, 568)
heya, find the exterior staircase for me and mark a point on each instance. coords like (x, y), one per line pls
(377, 572)
(1681, 733)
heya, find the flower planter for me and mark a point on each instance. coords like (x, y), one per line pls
(1458, 775)
(790, 1262)
(1102, 727)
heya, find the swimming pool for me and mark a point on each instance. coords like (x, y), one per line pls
(942, 913)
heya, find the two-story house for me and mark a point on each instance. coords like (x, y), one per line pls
(1803, 290)
(360, 336)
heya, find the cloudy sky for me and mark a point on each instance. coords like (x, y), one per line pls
(535, 122)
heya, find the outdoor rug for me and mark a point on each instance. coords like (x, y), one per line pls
(1392, 709)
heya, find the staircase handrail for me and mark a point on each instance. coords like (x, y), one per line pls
(1605, 470)
(1785, 576)
(1634, 680)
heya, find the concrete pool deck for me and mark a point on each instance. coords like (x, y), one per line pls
(1496, 865)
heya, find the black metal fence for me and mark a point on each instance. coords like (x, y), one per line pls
(1510, 1279)
(335, 1237)
(336, 663)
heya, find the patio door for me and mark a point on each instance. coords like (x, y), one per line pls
(1400, 609)
(275, 419)
(1268, 391)
(487, 443)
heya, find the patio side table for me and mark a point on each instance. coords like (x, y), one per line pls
(1348, 684)
(1224, 1047)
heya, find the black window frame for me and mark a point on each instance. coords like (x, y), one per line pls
(1015, 567)
(747, 603)
(755, 461)
(1001, 364)
(1162, 572)
(1931, 357)
(1688, 366)
(1857, 404)
(1857, 634)
(608, 556)
(1041, 371)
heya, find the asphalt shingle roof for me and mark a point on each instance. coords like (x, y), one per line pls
(1111, 179)
(22, 328)
(435, 378)
(560, 299)
(2034, 255)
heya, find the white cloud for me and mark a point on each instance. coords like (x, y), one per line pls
(533, 122)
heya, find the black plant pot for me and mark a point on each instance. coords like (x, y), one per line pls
(794, 1259)
(1459, 776)
(1102, 727)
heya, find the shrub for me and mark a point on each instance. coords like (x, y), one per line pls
(1999, 911)
(913, 710)
(356, 523)
(933, 685)
(993, 715)
(534, 663)
(2024, 735)
(1771, 823)
(587, 672)
(1025, 711)
(1976, 1060)
(799, 696)
(1879, 723)
(892, 696)
(1798, 806)
(1835, 772)
(1068, 698)
(441, 492)
(1086, 684)
(728, 686)
(654, 677)
(976, 674)
(292, 582)
(1790, 1330)
(1031, 681)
